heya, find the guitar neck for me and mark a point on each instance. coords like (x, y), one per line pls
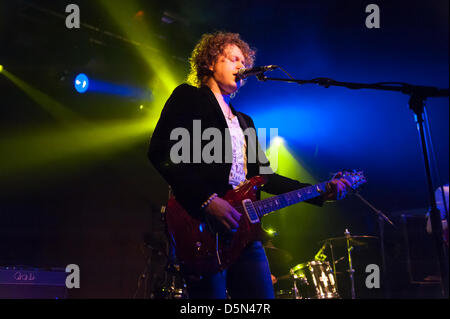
(268, 205)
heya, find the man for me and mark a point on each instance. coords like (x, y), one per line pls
(199, 185)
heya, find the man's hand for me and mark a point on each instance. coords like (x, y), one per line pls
(224, 212)
(337, 188)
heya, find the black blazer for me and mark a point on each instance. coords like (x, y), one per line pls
(193, 183)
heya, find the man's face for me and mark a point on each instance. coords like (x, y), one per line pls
(226, 67)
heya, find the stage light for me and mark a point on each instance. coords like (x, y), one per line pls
(141, 107)
(272, 232)
(278, 141)
(148, 45)
(81, 83)
(1, 68)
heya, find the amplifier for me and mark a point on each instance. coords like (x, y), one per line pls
(32, 283)
(421, 257)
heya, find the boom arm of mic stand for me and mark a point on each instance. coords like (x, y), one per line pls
(379, 213)
(424, 91)
(381, 218)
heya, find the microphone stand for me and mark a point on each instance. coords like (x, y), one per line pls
(418, 95)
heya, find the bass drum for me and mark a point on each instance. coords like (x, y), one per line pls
(315, 280)
(285, 294)
(296, 288)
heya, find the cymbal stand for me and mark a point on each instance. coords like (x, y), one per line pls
(350, 270)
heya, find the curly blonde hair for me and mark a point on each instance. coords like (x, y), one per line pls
(209, 48)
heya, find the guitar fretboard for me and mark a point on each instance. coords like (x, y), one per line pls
(268, 205)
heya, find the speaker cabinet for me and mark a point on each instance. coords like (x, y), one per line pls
(32, 283)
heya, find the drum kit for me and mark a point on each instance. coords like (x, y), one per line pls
(315, 279)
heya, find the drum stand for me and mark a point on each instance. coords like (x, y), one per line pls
(350, 270)
(296, 295)
(334, 265)
(333, 262)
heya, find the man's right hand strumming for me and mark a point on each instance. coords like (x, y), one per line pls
(224, 212)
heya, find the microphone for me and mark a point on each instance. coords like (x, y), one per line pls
(244, 72)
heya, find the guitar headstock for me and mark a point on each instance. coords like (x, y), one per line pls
(356, 178)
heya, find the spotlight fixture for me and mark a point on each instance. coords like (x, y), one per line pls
(81, 83)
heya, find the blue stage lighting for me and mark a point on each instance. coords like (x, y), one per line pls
(81, 83)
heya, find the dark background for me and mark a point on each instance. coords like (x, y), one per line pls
(98, 208)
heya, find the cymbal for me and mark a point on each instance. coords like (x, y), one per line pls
(274, 253)
(278, 259)
(358, 240)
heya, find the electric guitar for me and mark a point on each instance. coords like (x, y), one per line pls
(201, 247)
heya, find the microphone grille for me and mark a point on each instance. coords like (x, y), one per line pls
(241, 71)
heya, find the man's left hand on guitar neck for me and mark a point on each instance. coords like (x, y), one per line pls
(337, 188)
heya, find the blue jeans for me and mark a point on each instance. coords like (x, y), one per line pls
(249, 277)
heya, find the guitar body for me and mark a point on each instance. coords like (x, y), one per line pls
(195, 241)
(205, 246)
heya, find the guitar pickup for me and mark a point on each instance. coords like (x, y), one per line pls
(250, 210)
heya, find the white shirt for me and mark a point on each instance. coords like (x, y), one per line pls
(238, 170)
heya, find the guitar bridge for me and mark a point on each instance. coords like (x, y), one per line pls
(250, 210)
